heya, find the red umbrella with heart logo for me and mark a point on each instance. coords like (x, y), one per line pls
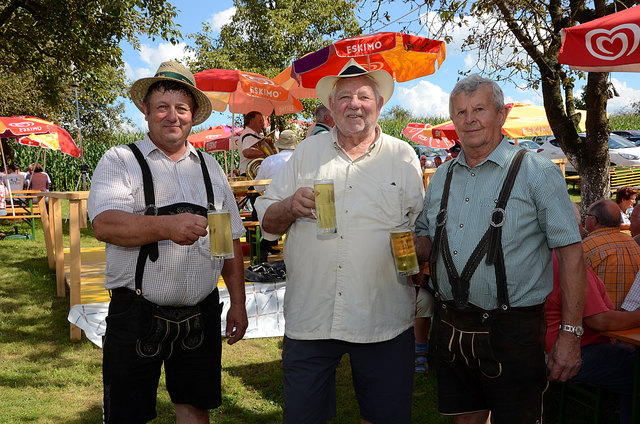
(607, 44)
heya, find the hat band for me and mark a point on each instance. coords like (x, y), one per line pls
(174, 75)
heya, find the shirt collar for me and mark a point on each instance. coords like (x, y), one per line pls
(147, 146)
(375, 145)
(501, 155)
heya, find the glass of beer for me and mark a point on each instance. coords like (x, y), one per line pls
(220, 238)
(404, 252)
(325, 206)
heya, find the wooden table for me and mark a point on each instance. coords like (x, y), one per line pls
(632, 337)
(52, 227)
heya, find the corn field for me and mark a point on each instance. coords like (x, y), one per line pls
(65, 171)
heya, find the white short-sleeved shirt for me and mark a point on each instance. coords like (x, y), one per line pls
(344, 286)
(182, 275)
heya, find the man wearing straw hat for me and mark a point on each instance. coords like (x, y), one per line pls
(343, 293)
(149, 203)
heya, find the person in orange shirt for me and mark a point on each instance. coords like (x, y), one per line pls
(613, 255)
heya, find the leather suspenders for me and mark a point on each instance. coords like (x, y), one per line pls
(151, 250)
(490, 244)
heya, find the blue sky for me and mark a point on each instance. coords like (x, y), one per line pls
(427, 96)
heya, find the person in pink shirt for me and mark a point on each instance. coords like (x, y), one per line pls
(39, 180)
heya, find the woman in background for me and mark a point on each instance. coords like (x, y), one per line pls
(626, 200)
(39, 180)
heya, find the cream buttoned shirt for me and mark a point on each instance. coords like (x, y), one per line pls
(344, 286)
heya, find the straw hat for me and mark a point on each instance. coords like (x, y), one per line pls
(382, 78)
(287, 140)
(173, 71)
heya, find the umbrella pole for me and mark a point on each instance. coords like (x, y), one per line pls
(4, 161)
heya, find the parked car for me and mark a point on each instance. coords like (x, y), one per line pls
(631, 135)
(528, 144)
(542, 138)
(621, 151)
(430, 152)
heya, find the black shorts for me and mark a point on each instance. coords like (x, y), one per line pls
(141, 337)
(491, 360)
(382, 377)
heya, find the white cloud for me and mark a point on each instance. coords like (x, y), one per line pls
(154, 56)
(423, 99)
(218, 20)
(627, 94)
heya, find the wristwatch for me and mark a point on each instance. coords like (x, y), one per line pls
(575, 329)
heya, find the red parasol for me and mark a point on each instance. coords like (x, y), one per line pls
(243, 92)
(214, 139)
(610, 43)
(38, 132)
(415, 132)
(404, 56)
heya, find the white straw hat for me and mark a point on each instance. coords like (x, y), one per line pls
(174, 71)
(382, 78)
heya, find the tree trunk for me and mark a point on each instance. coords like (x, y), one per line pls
(594, 154)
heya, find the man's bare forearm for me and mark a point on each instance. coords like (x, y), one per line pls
(278, 217)
(573, 282)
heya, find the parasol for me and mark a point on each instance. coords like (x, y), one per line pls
(523, 120)
(404, 56)
(243, 92)
(610, 43)
(414, 131)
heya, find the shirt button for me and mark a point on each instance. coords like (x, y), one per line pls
(341, 237)
(339, 293)
(339, 266)
(350, 187)
(466, 199)
(473, 174)
(461, 225)
(455, 252)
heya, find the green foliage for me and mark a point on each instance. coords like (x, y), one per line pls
(267, 36)
(48, 46)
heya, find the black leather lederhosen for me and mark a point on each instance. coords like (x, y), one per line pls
(151, 250)
(171, 326)
(490, 244)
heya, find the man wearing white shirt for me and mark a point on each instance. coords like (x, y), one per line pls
(252, 134)
(271, 165)
(343, 293)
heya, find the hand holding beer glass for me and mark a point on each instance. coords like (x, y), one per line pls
(404, 252)
(220, 237)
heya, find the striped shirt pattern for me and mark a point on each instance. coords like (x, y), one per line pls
(615, 257)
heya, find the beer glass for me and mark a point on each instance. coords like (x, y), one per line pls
(404, 252)
(220, 238)
(325, 206)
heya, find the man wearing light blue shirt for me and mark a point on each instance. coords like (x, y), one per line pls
(491, 284)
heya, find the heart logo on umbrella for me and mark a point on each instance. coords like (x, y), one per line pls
(623, 34)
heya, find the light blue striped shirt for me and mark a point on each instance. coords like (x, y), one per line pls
(539, 217)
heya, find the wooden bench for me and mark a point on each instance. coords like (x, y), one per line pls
(619, 176)
(25, 208)
(623, 176)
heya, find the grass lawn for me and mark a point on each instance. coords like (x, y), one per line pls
(47, 378)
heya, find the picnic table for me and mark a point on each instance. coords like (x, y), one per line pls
(52, 228)
(632, 337)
